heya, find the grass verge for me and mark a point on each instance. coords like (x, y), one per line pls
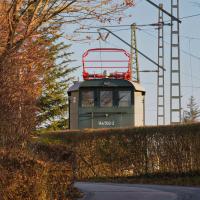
(183, 179)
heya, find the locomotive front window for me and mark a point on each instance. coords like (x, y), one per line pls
(87, 98)
(124, 98)
(106, 99)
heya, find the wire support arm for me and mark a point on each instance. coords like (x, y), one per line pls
(164, 11)
(142, 54)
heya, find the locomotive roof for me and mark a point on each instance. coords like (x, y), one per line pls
(105, 83)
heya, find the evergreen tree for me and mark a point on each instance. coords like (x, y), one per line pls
(193, 111)
(53, 103)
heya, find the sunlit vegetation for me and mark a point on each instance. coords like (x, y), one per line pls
(137, 155)
(29, 55)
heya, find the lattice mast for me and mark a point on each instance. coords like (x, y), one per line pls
(161, 73)
(175, 82)
(134, 56)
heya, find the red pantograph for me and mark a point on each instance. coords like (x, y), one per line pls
(117, 74)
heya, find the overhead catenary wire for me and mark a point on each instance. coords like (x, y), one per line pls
(144, 30)
(190, 37)
(141, 25)
(182, 50)
(127, 29)
(128, 25)
(164, 11)
(122, 40)
(191, 71)
(187, 53)
(183, 86)
(190, 16)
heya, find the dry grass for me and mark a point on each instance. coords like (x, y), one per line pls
(185, 179)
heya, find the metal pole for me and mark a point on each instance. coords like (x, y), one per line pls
(134, 55)
(144, 113)
(175, 82)
(160, 75)
(164, 11)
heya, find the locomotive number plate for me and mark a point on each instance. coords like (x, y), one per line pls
(106, 123)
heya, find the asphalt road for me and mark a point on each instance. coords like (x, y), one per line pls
(111, 191)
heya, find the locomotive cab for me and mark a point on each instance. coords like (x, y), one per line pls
(101, 101)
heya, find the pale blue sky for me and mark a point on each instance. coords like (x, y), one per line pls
(144, 13)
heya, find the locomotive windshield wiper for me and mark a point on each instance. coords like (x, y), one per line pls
(142, 54)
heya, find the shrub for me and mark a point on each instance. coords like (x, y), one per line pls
(133, 151)
(38, 177)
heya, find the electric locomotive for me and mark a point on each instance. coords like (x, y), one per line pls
(106, 98)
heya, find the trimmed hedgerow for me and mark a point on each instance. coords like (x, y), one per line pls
(132, 151)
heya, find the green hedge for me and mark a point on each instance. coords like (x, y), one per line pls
(133, 151)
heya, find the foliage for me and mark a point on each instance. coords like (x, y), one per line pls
(20, 79)
(192, 113)
(53, 103)
(39, 177)
(133, 151)
(27, 31)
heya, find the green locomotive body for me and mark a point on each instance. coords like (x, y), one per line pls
(106, 103)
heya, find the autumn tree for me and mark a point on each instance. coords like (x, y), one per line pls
(24, 52)
(193, 111)
(21, 83)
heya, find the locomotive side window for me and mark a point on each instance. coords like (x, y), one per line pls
(106, 98)
(124, 99)
(87, 98)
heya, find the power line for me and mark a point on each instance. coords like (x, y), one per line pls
(194, 77)
(115, 30)
(183, 86)
(146, 32)
(185, 52)
(190, 16)
(128, 25)
(138, 51)
(187, 17)
(191, 71)
(86, 32)
(166, 23)
(190, 86)
(183, 36)
(141, 25)
(173, 18)
(190, 37)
